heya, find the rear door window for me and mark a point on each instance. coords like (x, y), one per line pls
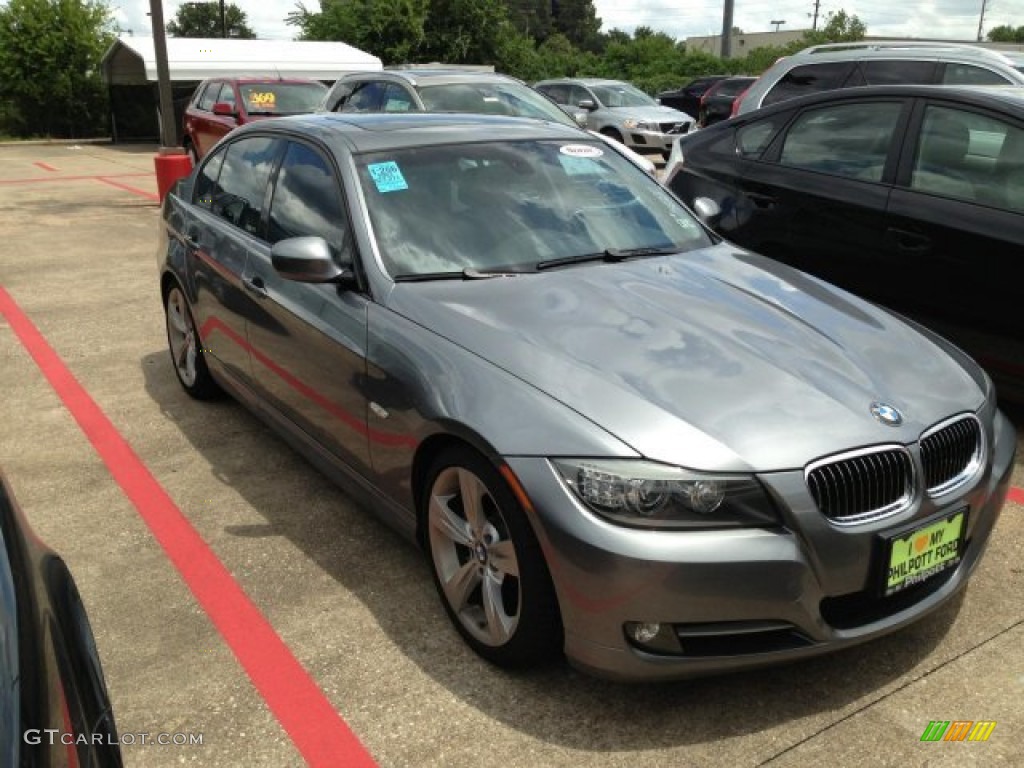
(238, 198)
(809, 78)
(968, 74)
(898, 71)
(850, 140)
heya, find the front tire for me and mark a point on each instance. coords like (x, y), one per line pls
(487, 564)
(187, 354)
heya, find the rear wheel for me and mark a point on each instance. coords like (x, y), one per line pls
(487, 563)
(187, 354)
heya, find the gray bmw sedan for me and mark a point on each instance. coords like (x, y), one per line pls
(613, 434)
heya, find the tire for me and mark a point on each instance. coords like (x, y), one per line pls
(611, 133)
(187, 355)
(487, 565)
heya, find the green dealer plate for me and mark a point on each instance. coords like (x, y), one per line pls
(924, 552)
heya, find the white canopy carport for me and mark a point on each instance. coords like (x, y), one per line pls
(132, 60)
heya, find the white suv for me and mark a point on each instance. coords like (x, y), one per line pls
(844, 65)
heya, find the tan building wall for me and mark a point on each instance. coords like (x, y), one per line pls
(745, 43)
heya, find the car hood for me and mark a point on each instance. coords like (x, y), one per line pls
(655, 114)
(716, 359)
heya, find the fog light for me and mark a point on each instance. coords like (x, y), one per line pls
(644, 632)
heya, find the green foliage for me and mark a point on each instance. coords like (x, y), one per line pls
(465, 31)
(50, 52)
(1006, 33)
(203, 20)
(531, 18)
(577, 20)
(839, 27)
(390, 29)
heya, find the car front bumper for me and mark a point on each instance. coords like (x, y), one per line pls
(748, 597)
(651, 141)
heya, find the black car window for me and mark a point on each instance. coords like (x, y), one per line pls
(968, 74)
(810, 78)
(895, 72)
(731, 88)
(397, 99)
(578, 94)
(559, 93)
(307, 200)
(209, 96)
(849, 140)
(338, 96)
(970, 156)
(242, 185)
(753, 139)
(205, 188)
(365, 98)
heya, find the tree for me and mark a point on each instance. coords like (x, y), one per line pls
(840, 27)
(531, 18)
(390, 29)
(50, 52)
(578, 21)
(465, 31)
(203, 20)
(1006, 34)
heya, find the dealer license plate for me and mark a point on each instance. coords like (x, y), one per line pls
(924, 552)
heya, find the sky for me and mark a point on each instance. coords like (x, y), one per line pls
(944, 19)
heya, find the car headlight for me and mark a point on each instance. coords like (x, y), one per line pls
(648, 495)
(638, 125)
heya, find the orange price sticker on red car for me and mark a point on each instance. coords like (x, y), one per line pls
(263, 99)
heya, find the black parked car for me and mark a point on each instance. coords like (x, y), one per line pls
(716, 104)
(687, 99)
(911, 196)
(54, 707)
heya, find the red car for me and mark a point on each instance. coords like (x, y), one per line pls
(222, 104)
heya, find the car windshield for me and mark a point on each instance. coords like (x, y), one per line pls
(282, 98)
(511, 206)
(513, 99)
(622, 95)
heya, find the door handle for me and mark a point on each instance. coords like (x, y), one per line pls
(910, 242)
(255, 286)
(190, 241)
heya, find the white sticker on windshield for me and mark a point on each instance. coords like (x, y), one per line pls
(387, 176)
(581, 150)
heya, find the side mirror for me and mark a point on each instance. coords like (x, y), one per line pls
(308, 260)
(707, 210)
(580, 118)
(224, 109)
(587, 104)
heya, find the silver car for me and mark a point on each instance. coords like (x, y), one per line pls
(613, 434)
(621, 111)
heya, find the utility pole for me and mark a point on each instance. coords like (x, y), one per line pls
(727, 30)
(981, 20)
(223, 21)
(817, 8)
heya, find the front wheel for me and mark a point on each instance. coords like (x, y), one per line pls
(187, 354)
(487, 563)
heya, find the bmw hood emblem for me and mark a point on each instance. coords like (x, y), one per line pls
(887, 414)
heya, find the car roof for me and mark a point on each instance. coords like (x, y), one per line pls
(904, 50)
(247, 79)
(440, 76)
(1007, 98)
(379, 131)
(584, 81)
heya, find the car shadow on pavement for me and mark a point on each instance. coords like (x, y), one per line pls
(556, 704)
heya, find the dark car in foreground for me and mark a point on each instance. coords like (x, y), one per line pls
(911, 196)
(54, 707)
(614, 434)
(716, 104)
(221, 104)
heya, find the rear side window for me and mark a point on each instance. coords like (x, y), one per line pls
(752, 140)
(898, 72)
(968, 74)
(242, 185)
(850, 140)
(205, 188)
(810, 78)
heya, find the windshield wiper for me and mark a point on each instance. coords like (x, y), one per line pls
(466, 274)
(609, 255)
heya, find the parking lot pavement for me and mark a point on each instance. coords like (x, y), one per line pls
(351, 616)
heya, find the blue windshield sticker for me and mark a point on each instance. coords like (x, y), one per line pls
(387, 176)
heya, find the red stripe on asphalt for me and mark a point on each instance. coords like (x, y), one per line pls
(44, 166)
(1016, 495)
(55, 179)
(126, 187)
(316, 729)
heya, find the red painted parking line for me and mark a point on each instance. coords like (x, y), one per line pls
(45, 166)
(1016, 495)
(128, 188)
(317, 730)
(57, 179)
